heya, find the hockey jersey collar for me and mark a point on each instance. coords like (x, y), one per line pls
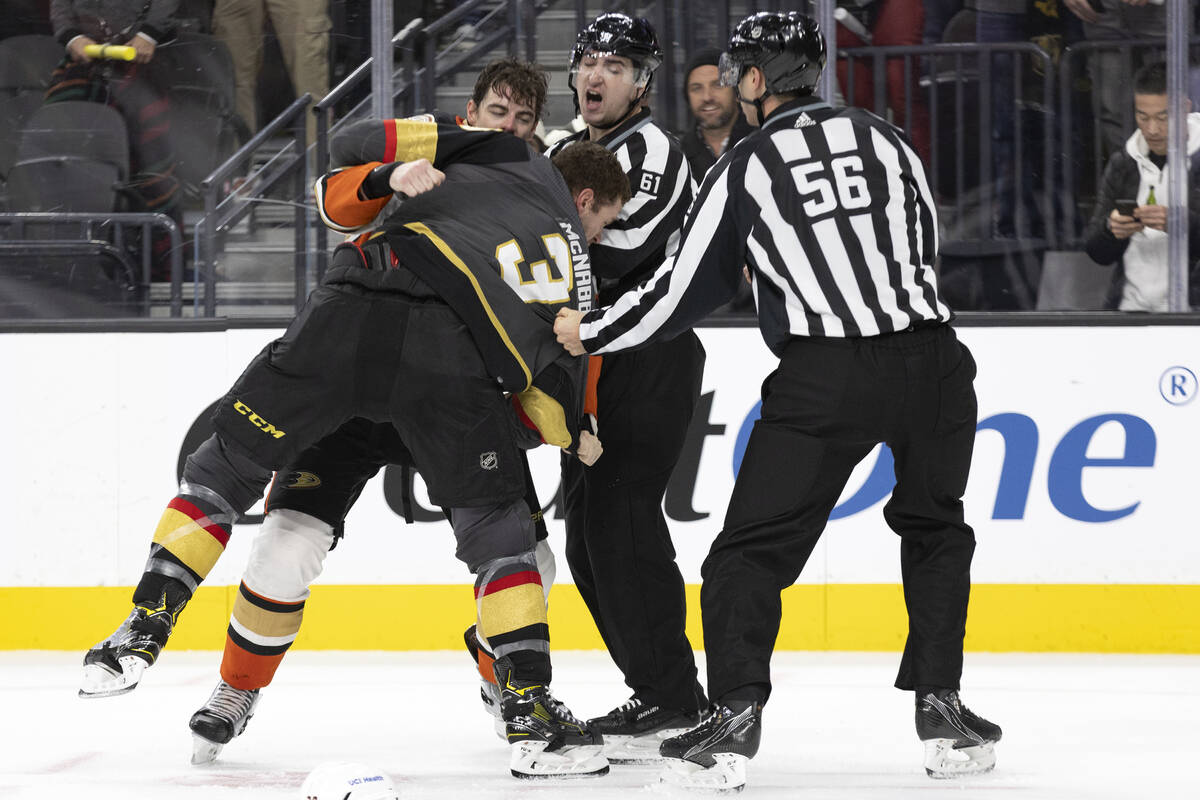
(793, 108)
(612, 140)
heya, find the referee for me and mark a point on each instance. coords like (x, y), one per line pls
(618, 545)
(830, 210)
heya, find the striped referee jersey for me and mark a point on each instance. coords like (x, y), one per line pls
(647, 229)
(831, 211)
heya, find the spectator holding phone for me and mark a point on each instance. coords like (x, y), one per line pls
(1129, 222)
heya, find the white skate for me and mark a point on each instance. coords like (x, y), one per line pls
(530, 760)
(726, 776)
(944, 760)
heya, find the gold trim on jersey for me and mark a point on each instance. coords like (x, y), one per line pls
(452, 257)
(415, 140)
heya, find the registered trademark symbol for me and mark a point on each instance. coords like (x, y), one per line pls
(1178, 386)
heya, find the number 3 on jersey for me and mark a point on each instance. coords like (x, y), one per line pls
(541, 281)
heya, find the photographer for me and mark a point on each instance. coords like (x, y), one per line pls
(1129, 222)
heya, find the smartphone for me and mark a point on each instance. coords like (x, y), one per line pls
(1125, 206)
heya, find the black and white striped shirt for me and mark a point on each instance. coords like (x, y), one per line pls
(830, 209)
(647, 229)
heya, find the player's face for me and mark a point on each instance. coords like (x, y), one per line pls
(605, 87)
(712, 104)
(500, 110)
(596, 217)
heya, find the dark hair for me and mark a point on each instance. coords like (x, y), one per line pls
(520, 80)
(1151, 79)
(587, 165)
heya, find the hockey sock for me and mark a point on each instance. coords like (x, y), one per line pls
(260, 633)
(287, 556)
(511, 610)
(191, 535)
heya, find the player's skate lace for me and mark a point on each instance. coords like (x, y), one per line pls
(225, 714)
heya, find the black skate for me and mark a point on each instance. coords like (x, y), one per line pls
(713, 755)
(547, 740)
(218, 721)
(634, 730)
(115, 665)
(958, 741)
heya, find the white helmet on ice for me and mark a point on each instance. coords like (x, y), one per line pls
(345, 780)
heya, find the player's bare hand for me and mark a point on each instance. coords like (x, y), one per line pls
(416, 177)
(76, 46)
(590, 449)
(143, 46)
(1152, 216)
(1083, 10)
(566, 330)
(1123, 227)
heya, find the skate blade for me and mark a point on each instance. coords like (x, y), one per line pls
(629, 750)
(100, 681)
(529, 761)
(943, 760)
(726, 776)
(204, 751)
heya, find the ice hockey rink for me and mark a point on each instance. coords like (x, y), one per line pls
(1075, 726)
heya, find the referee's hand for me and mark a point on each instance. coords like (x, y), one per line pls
(566, 330)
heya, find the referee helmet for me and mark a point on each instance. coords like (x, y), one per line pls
(619, 35)
(787, 46)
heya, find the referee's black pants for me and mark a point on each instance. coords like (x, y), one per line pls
(618, 545)
(824, 408)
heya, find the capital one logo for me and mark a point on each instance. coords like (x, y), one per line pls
(1064, 483)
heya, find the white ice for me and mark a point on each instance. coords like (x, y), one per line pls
(1075, 726)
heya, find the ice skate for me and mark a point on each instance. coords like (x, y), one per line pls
(958, 742)
(547, 740)
(713, 755)
(634, 730)
(115, 665)
(219, 720)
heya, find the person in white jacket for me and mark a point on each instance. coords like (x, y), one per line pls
(1129, 221)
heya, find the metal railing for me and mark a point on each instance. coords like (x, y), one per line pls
(97, 233)
(221, 213)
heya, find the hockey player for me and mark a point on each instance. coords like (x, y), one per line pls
(831, 210)
(509, 95)
(618, 545)
(433, 333)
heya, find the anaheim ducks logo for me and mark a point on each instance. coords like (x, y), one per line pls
(302, 480)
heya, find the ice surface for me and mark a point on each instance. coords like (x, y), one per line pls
(1075, 726)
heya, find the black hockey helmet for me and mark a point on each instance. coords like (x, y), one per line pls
(787, 46)
(618, 34)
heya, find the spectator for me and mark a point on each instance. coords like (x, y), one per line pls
(1119, 20)
(1137, 176)
(719, 123)
(303, 30)
(890, 22)
(125, 86)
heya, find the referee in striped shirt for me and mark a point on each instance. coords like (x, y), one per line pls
(831, 212)
(618, 544)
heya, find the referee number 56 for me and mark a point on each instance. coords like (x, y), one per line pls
(840, 183)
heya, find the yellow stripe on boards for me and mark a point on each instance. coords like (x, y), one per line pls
(1096, 618)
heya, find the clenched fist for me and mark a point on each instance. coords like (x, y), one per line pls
(415, 177)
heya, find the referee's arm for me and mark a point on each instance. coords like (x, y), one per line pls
(703, 274)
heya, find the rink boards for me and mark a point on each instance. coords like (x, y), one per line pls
(1082, 496)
